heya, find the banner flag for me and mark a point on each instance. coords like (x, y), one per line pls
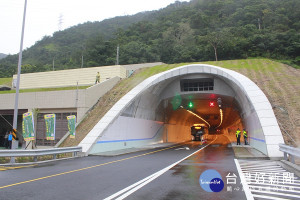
(50, 126)
(28, 126)
(72, 125)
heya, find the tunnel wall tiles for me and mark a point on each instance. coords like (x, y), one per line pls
(117, 134)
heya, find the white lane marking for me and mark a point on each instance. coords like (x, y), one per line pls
(134, 187)
(244, 162)
(290, 185)
(262, 171)
(280, 178)
(269, 197)
(258, 165)
(247, 191)
(281, 181)
(271, 167)
(269, 188)
(186, 148)
(277, 193)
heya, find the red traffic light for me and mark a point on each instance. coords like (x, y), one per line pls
(211, 104)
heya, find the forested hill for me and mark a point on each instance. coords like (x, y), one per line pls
(2, 55)
(198, 30)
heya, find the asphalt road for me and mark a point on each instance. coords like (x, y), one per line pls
(162, 173)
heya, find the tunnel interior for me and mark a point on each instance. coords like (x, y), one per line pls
(162, 113)
(197, 98)
(199, 108)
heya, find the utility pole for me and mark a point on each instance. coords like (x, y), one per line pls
(117, 62)
(15, 122)
(60, 21)
(76, 100)
(81, 60)
(53, 64)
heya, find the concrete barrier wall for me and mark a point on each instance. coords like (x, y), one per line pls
(46, 100)
(60, 101)
(65, 78)
(84, 76)
(92, 95)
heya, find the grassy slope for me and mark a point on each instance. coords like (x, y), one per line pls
(280, 83)
(44, 89)
(6, 81)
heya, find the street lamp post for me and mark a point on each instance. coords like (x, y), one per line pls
(15, 122)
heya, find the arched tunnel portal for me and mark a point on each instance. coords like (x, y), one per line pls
(165, 106)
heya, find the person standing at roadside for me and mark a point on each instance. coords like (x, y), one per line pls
(245, 134)
(97, 78)
(10, 137)
(238, 136)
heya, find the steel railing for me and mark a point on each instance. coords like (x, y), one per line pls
(289, 152)
(39, 152)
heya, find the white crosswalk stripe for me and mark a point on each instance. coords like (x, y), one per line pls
(268, 180)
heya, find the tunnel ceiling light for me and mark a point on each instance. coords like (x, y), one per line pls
(211, 104)
(221, 117)
(198, 117)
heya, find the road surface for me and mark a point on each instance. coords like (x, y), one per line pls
(161, 173)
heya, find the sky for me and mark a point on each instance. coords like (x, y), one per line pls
(44, 17)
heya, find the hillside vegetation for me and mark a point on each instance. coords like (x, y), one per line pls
(278, 81)
(199, 30)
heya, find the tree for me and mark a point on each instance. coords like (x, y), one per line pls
(215, 39)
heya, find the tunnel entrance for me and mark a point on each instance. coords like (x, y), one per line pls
(155, 111)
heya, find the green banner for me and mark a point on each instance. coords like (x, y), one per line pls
(72, 125)
(50, 126)
(28, 126)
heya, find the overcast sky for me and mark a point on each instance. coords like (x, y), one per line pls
(42, 17)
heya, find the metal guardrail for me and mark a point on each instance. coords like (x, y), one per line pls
(289, 152)
(39, 152)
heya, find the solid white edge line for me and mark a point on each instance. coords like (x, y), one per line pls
(144, 183)
(248, 193)
(129, 187)
(134, 187)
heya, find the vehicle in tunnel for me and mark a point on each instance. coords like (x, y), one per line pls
(198, 131)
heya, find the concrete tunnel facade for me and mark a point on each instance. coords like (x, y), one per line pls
(143, 116)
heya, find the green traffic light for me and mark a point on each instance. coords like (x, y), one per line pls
(191, 104)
